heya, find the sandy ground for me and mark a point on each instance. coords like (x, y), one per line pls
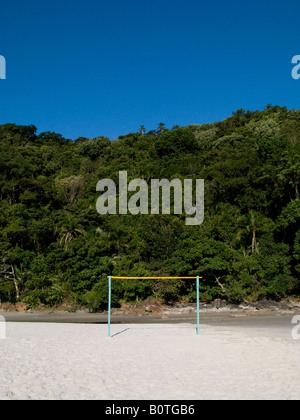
(149, 361)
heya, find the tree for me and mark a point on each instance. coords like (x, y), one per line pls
(176, 142)
(71, 188)
(253, 223)
(161, 128)
(142, 130)
(69, 231)
(7, 272)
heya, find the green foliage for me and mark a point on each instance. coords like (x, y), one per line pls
(181, 140)
(62, 250)
(97, 298)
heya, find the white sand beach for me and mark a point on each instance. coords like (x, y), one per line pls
(147, 361)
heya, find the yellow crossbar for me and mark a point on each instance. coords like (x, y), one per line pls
(150, 278)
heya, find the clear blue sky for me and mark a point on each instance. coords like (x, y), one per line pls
(105, 67)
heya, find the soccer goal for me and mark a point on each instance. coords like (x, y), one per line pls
(110, 278)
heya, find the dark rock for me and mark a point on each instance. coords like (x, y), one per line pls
(218, 303)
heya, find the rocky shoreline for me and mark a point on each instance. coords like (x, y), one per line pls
(151, 307)
(218, 305)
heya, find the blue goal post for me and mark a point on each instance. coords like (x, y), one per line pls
(197, 278)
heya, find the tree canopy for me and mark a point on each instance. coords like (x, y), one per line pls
(55, 248)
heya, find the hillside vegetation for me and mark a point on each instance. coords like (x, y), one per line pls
(56, 249)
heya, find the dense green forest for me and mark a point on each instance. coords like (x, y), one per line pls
(56, 249)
